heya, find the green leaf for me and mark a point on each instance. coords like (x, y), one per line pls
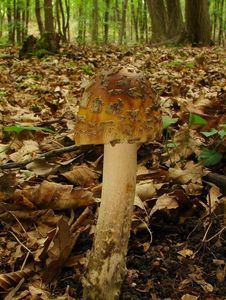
(171, 145)
(196, 119)
(209, 157)
(167, 121)
(222, 133)
(212, 132)
(18, 129)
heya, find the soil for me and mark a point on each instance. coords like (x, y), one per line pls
(157, 270)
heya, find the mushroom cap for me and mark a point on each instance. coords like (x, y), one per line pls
(118, 106)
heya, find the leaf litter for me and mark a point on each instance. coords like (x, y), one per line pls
(48, 206)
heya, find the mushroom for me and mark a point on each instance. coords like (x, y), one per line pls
(118, 109)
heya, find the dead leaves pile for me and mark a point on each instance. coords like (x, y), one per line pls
(48, 206)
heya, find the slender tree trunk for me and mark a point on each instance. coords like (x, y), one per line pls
(134, 20)
(214, 26)
(48, 8)
(198, 22)
(221, 24)
(106, 20)
(64, 31)
(38, 16)
(122, 32)
(67, 23)
(27, 16)
(1, 18)
(18, 21)
(58, 20)
(157, 13)
(145, 21)
(95, 22)
(9, 19)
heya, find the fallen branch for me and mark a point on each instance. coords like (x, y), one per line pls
(52, 153)
(219, 180)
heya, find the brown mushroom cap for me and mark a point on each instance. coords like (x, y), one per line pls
(118, 106)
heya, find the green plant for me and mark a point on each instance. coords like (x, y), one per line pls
(19, 128)
(3, 93)
(87, 69)
(210, 155)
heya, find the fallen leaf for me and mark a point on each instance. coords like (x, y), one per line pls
(82, 175)
(189, 297)
(186, 252)
(164, 202)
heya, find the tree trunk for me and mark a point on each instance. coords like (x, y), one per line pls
(95, 22)
(27, 15)
(221, 23)
(58, 20)
(38, 16)
(157, 13)
(67, 23)
(18, 21)
(10, 20)
(106, 20)
(198, 22)
(64, 31)
(48, 8)
(134, 20)
(175, 26)
(122, 32)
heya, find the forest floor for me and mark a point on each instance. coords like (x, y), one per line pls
(48, 199)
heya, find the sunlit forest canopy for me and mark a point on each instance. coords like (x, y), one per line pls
(120, 22)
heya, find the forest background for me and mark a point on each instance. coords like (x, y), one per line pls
(115, 21)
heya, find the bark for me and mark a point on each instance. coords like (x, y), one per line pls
(9, 19)
(175, 26)
(48, 8)
(38, 16)
(64, 30)
(134, 20)
(95, 22)
(198, 22)
(122, 32)
(18, 21)
(221, 23)
(157, 13)
(67, 23)
(106, 20)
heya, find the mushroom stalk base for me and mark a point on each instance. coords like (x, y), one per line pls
(107, 260)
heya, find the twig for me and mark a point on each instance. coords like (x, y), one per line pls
(48, 154)
(28, 250)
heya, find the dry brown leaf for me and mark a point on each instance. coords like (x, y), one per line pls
(55, 196)
(186, 252)
(82, 175)
(207, 287)
(164, 202)
(38, 293)
(191, 172)
(27, 151)
(60, 243)
(213, 199)
(189, 297)
(146, 189)
(10, 279)
(42, 167)
(193, 189)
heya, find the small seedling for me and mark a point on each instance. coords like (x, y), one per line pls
(87, 70)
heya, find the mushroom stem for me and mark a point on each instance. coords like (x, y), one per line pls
(107, 261)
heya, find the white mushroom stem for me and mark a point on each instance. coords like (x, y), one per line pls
(107, 261)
